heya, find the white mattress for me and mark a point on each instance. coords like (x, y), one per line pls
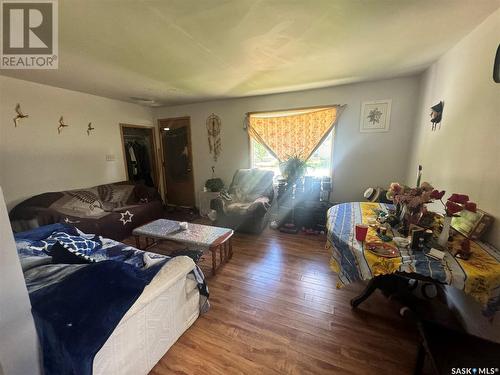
(167, 307)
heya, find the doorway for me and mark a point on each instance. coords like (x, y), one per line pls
(175, 136)
(139, 154)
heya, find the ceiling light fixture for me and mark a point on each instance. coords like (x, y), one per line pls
(145, 101)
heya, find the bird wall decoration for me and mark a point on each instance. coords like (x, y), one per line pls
(61, 125)
(20, 115)
(89, 128)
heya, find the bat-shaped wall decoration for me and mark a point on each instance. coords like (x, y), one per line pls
(20, 115)
(89, 128)
(61, 125)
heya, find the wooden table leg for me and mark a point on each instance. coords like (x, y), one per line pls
(230, 247)
(137, 242)
(221, 252)
(214, 259)
(226, 251)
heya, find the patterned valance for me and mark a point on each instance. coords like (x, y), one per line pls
(294, 132)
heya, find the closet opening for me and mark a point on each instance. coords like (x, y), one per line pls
(139, 147)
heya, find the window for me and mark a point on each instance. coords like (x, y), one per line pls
(306, 133)
(319, 164)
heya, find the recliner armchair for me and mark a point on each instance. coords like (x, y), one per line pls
(246, 209)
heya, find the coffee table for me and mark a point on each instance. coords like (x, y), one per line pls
(212, 239)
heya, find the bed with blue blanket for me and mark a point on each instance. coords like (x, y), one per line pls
(102, 307)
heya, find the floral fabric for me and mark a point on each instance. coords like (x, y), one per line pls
(290, 133)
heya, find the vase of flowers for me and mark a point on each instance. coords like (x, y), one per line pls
(410, 202)
(453, 206)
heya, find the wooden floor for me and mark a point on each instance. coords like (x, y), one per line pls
(276, 310)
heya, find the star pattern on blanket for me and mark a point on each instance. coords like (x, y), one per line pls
(126, 217)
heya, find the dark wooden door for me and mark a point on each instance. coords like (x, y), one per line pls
(175, 134)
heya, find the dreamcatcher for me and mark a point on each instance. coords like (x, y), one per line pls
(213, 129)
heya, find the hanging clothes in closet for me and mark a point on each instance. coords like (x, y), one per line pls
(138, 161)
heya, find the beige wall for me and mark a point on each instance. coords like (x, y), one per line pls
(35, 159)
(463, 156)
(359, 160)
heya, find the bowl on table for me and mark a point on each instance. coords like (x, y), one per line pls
(401, 241)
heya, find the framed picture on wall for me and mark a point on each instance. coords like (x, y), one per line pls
(375, 116)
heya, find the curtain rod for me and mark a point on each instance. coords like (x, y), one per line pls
(297, 109)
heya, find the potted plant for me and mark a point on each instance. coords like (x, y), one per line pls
(293, 168)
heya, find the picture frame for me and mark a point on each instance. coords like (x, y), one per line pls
(472, 224)
(375, 116)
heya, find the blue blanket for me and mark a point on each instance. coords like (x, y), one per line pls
(74, 318)
(76, 307)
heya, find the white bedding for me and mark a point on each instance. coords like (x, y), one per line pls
(166, 308)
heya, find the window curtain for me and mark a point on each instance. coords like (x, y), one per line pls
(293, 133)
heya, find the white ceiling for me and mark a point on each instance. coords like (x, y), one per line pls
(179, 51)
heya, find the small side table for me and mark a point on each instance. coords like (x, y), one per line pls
(205, 197)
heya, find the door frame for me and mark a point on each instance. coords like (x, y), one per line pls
(151, 129)
(162, 155)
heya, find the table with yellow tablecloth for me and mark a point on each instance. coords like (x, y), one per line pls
(478, 277)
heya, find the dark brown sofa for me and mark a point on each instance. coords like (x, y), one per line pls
(110, 210)
(250, 197)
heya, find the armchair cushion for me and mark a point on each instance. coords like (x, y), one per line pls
(250, 184)
(242, 208)
(250, 197)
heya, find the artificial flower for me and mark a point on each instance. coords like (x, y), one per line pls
(459, 198)
(395, 187)
(470, 206)
(452, 208)
(436, 194)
